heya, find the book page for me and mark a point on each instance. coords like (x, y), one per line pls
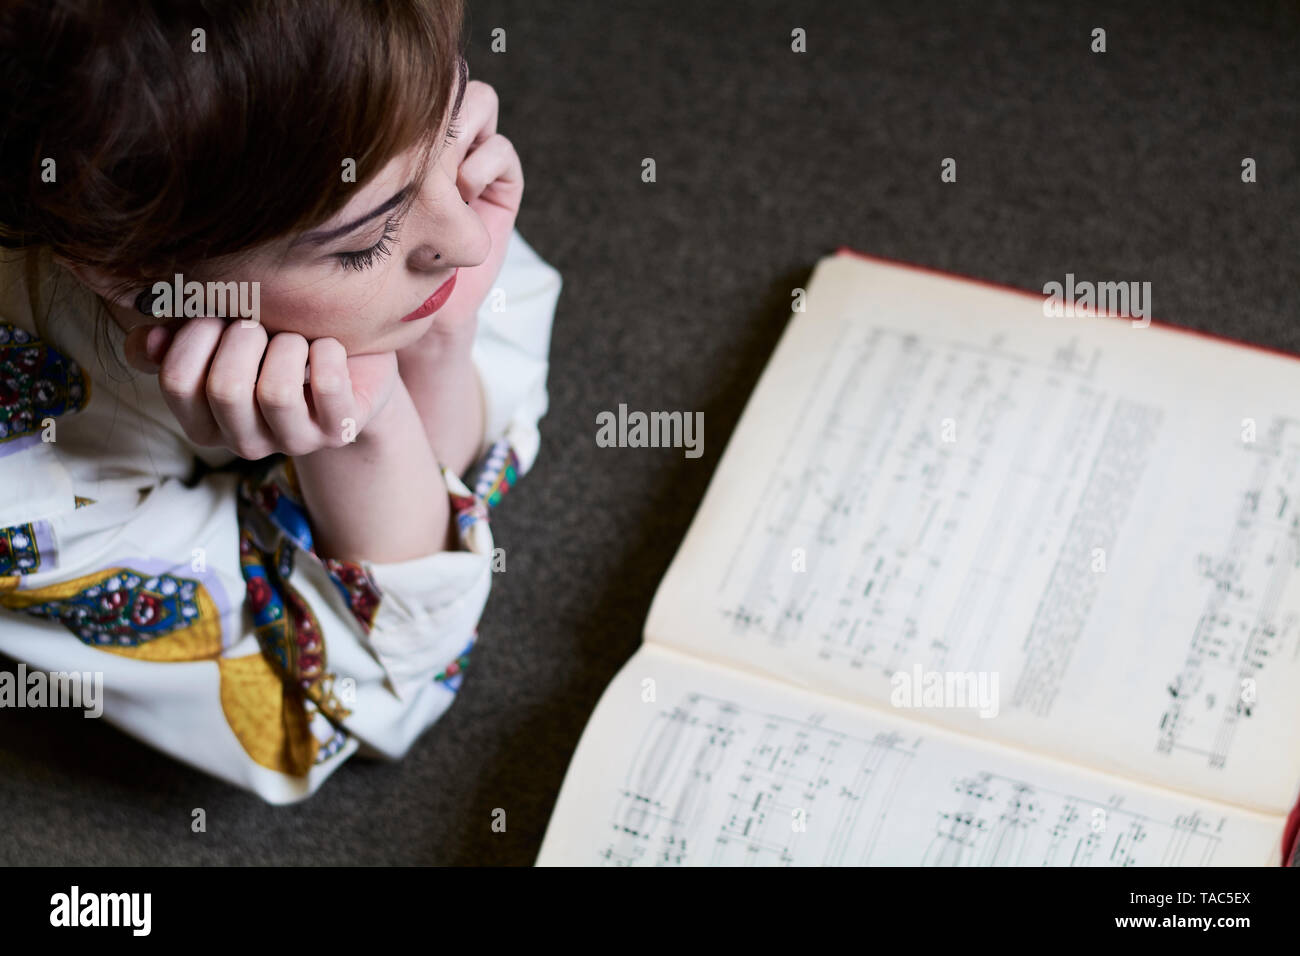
(687, 763)
(1088, 525)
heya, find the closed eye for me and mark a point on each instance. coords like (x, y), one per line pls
(366, 258)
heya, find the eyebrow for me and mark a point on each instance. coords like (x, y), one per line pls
(322, 236)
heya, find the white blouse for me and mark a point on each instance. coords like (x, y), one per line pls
(196, 606)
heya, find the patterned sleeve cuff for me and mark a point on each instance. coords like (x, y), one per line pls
(418, 616)
(427, 616)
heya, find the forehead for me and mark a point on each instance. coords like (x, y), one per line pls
(401, 170)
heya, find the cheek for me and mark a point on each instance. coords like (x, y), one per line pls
(355, 314)
(325, 311)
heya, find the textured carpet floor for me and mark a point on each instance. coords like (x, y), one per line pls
(1124, 165)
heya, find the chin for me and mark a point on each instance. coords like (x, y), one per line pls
(407, 333)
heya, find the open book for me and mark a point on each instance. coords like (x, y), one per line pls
(972, 585)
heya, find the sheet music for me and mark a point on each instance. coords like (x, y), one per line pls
(1104, 517)
(723, 769)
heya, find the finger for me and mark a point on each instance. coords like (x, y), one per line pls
(333, 403)
(136, 349)
(145, 345)
(494, 164)
(478, 113)
(477, 122)
(281, 398)
(230, 390)
(183, 374)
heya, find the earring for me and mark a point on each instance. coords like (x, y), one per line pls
(145, 300)
(437, 255)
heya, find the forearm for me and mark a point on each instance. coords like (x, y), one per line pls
(382, 497)
(444, 388)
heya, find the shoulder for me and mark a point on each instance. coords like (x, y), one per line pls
(62, 372)
(39, 382)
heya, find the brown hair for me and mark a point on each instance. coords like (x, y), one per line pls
(166, 156)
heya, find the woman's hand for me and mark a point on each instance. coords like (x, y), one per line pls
(437, 369)
(487, 171)
(229, 385)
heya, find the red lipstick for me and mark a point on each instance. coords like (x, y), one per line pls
(435, 301)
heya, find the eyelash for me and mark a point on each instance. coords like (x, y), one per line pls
(368, 257)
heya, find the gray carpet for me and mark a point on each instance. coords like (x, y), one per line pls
(1124, 165)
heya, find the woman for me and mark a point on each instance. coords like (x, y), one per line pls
(331, 169)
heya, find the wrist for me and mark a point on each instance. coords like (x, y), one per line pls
(447, 396)
(372, 498)
(388, 424)
(446, 344)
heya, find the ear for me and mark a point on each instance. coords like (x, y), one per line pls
(105, 286)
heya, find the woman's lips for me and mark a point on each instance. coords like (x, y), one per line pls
(435, 301)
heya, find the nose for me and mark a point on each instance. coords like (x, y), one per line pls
(443, 231)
